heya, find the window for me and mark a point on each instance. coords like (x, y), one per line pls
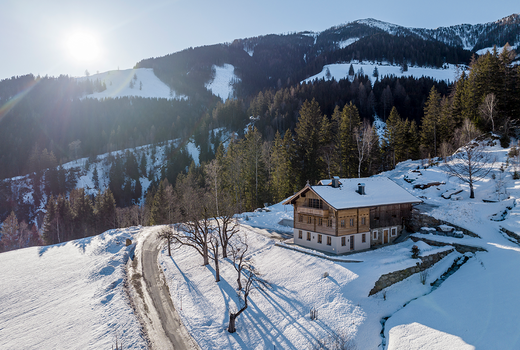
(343, 241)
(308, 236)
(363, 238)
(329, 223)
(309, 219)
(315, 203)
(300, 218)
(319, 239)
(320, 221)
(343, 223)
(300, 235)
(329, 240)
(351, 222)
(394, 231)
(374, 234)
(363, 220)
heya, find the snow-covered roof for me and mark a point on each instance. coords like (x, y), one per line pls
(379, 190)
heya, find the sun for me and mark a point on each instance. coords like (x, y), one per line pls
(83, 46)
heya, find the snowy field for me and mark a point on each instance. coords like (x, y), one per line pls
(339, 71)
(68, 296)
(141, 82)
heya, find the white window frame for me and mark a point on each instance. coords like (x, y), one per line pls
(375, 234)
(393, 232)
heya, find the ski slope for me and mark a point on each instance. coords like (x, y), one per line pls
(222, 83)
(140, 82)
(339, 71)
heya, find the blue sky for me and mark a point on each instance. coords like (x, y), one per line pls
(56, 37)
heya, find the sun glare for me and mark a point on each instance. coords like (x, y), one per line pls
(83, 46)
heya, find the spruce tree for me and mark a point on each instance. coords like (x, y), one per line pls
(350, 120)
(307, 134)
(431, 123)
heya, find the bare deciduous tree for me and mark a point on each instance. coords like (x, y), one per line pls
(168, 234)
(214, 244)
(253, 281)
(471, 163)
(226, 224)
(196, 221)
(238, 252)
(488, 109)
(364, 139)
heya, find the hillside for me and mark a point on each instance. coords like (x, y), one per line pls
(69, 295)
(466, 310)
(130, 82)
(272, 61)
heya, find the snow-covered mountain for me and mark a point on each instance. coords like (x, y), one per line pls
(468, 36)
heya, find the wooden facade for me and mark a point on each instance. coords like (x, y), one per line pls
(319, 225)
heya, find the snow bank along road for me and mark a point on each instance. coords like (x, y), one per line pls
(152, 300)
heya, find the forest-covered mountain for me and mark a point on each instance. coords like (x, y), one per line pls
(275, 61)
(300, 131)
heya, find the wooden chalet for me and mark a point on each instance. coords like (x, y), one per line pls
(343, 215)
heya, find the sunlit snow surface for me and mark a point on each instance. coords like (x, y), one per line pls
(476, 308)
(141, 82)
(68, 296)
(76, 287)
(340, 71)
(222, 83)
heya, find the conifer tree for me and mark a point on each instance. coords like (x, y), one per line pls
(396, 136)
(349, 122)
(431, 123)
(307, 133)
(10, 233)
(282, 177)
(254, 173)
(105, 211)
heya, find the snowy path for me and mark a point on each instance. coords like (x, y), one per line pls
(156, 309)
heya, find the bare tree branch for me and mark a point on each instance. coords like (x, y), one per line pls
(471, 163)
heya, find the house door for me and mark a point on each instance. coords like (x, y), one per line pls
(385, 236)
(351, 242)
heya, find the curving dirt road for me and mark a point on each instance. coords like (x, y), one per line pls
(162, 323)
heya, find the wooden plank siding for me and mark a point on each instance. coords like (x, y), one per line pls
(389, 215)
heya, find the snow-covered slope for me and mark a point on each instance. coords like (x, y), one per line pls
(467, 311)
(69, 296)
(340, 71)
(77, 287)
(140, 82)
(222, 83)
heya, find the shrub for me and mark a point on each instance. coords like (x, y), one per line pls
(415, 252)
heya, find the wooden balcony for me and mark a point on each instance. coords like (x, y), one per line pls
(313, 211)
